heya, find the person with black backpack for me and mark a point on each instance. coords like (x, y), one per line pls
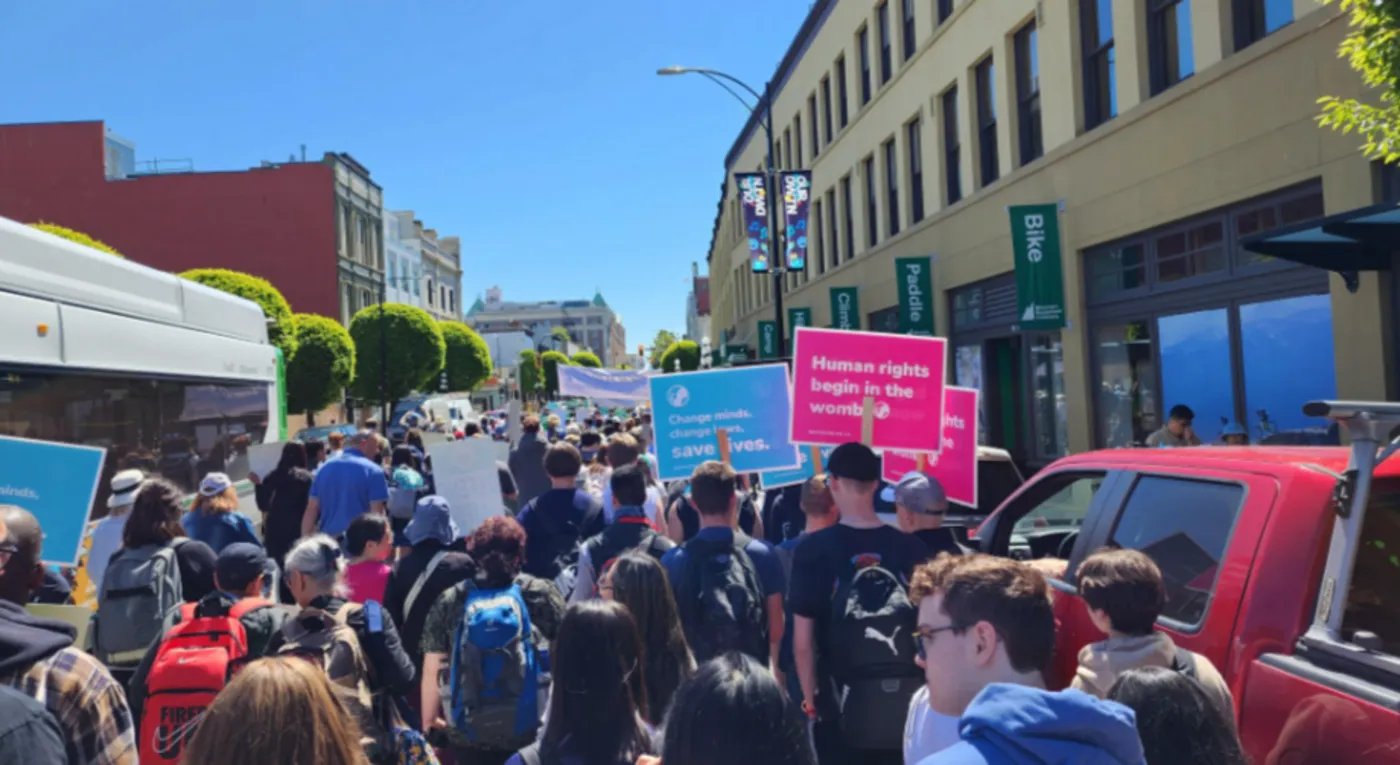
(865, 625)
(630, 530)
(557, 520)
(729, 587)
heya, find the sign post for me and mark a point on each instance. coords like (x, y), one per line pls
(1040, 281)
(813, 458)
(914, 279)
(742, 414)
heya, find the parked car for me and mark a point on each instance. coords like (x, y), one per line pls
(1281, 566)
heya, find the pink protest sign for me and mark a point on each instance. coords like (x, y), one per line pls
(956, 466)
(834, 370)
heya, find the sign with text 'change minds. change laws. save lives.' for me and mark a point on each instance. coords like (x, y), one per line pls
(752, 404)
(955, 468)
(777, 479)
(834, 371)
(57, 483)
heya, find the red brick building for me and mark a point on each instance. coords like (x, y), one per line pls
(299, 224)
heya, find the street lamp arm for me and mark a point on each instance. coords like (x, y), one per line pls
(731, 91)
(716, 73)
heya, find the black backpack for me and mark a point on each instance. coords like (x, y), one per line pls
(872, 650)
(626, 533)
(562, 542)
(721, 601)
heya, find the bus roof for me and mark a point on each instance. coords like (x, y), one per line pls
(42, 265)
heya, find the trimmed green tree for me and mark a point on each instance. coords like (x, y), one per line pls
(412, 344)
(282, 329)
(663, 341)
(550, 361)
(529, 372)
(323, 365)
(76, 236)
(685, 350)
(468, 356)
(587, 359)
(561, 334)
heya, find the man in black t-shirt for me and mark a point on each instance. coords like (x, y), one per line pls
(557, 520)
(921, 504)
(872, 648)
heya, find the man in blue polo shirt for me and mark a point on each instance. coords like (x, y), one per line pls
(346, 488)
(717, 565)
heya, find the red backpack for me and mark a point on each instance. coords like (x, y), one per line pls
(194, 662)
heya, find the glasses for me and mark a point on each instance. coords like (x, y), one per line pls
(925, 637)
(7, 551)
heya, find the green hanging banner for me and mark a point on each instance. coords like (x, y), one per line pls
(914, 280)
(1040, 279)
(768, 340)
(845, 308)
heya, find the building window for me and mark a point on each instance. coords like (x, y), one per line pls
(945, 9)
(1257, 19)
(848, 219)
(987, 121)
(826, 107)
(913, 140)
(892, 185)
(1032, 141)
(884, 320)
(1185, 253)
(818, 233)
(863, 42)
(430, 293)
(812, 121)
(797, 129)
(1116, 270)
(952, 149)
(1169, 43)
(1100, 79)
(831, 238)
(882, 16)
(907, 38)
(843, 111)
(872, 217)
(785, 146)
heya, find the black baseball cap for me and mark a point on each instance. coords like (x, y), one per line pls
(854, 461)
(239, 564)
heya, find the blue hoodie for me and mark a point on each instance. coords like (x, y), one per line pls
(1018, 725)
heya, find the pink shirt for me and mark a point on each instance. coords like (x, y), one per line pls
(366, 580)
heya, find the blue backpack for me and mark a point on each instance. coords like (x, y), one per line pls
(495, 672)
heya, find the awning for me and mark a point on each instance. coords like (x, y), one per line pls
(1358, 240)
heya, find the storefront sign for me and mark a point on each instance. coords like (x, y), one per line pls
(797, 188)
(57, 483)
(836, 371)
(753, 405)
(768, 340)
(753, 199)
(777, 479)
(845, 307)
(1040, 286)
(955, 467)
(914, 279)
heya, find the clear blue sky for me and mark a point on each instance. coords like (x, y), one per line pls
(538, 132)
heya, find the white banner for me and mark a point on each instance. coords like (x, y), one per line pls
(604, 384)
(466, 476)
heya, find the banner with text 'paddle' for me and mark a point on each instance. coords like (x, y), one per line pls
(836, 371)
(752, 405)
(955, 468)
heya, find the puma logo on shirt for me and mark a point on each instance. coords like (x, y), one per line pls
(874, 634)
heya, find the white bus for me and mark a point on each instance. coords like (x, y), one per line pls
(167, 375)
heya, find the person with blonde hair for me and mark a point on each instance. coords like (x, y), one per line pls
(281, 710)
(214, 518)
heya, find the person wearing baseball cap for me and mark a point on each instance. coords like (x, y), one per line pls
(436, 562)
(107, 534)
(921, 505)
(869, 652)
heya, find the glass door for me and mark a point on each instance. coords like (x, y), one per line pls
(1196, 368)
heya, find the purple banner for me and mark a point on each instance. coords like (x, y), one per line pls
(753, 198)
(797, 190)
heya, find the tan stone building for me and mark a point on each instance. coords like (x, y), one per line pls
(1165, 131)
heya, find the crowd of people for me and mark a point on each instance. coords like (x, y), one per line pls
(611, 619)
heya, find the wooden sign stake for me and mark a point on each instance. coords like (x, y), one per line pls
(921, 462)
(723, 436)
(815, 452)
(867, 420)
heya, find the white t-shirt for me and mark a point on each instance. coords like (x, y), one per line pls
(926, 732)
(106, 538)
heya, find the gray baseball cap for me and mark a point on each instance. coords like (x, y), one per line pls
(918, 493)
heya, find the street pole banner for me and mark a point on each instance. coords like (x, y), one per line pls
(753, 198)
(57, 483)
(797, 191)
(1040, 279)
(914, 279)
(777, 479)
(752, 405)
(608, 384)
(768, 340)
(955, 468)
(835, 372)
(845, 307)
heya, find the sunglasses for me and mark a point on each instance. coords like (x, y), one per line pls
(924, 637)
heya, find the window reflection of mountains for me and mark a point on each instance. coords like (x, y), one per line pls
(1188, 570)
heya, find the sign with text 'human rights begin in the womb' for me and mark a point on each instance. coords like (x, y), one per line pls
(955, 468)
(835, 370)
(751, 404)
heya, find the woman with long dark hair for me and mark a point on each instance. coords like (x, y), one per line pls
(598, 703)
(282, 496)
(733, 712)
(1176, 720)
(638, 581)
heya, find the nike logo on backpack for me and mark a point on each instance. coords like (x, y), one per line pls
(874, 634)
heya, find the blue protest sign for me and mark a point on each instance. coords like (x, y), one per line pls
(777, 479)
(751, 404)
(57, 483)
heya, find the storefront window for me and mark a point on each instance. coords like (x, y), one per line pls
(1287, 351)
(1195, 353)
(967, 307)
(1048, 390)
(1191, 252)
(884, 320)
(969, 375)
(1127, 410)
(1116, 270)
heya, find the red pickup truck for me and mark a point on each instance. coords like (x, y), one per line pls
(1282, 566)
